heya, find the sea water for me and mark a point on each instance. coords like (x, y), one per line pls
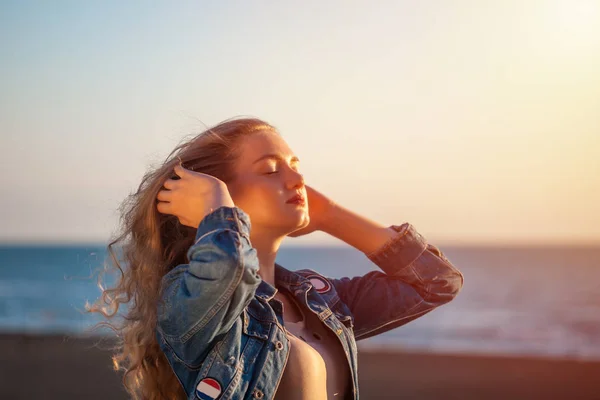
(542, 301)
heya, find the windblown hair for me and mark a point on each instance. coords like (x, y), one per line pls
(147, 246)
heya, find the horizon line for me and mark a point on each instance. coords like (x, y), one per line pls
(441, 243)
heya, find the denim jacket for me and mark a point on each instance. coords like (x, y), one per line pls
(222, 330)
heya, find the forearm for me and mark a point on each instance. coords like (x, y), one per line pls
(356, 230)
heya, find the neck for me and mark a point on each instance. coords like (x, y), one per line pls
(266, 248)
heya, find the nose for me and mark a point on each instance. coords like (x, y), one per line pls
(296, 180)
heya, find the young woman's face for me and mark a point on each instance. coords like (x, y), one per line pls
(267, 176)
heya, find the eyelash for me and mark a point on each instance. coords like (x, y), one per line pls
(274, 172)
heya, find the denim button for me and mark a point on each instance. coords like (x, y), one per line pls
(258, 394)
(278, 345)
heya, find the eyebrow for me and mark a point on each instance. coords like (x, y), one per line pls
(276, 157)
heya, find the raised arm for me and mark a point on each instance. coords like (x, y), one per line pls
(416, 277)
(206, 296)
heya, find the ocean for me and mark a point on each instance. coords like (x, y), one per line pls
(538, 301)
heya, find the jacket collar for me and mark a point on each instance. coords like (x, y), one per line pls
(284, 278)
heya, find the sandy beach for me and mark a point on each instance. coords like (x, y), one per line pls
(55, 367)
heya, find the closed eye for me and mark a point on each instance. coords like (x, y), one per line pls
(270, 173)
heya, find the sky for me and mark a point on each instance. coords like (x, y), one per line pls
(476, 121)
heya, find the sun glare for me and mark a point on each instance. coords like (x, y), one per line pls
(575, 23)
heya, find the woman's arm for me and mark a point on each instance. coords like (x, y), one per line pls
(355, 230)
(206, 296)
(416, 277)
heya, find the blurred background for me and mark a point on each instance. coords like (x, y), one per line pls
(476, 121)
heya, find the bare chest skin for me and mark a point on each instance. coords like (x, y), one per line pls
(317, 365)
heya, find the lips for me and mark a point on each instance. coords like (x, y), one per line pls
(296, 199)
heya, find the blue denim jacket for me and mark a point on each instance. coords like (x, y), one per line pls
(222, 331)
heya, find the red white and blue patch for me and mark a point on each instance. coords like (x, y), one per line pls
(320, 284)
(208, 389)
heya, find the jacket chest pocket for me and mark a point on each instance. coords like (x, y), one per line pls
(233, 358)
(344, 316)
(241, 346)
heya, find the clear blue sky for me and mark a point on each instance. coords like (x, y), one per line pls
(477, 121)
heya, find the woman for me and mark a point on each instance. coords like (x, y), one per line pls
(212, 315)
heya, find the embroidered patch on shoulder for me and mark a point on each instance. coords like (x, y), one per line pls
(320, 284)
(208, 389)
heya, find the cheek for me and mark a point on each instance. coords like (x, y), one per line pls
(257, 193)
(267, 192)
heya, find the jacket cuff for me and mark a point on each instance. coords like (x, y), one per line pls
(400, 251)
(231, 218)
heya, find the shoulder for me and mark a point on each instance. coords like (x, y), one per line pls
(323, 285)
(320, 282)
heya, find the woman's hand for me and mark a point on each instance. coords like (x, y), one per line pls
(193, 196)
(319, 207)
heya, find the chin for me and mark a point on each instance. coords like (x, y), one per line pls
(305, 222)
(300, 222)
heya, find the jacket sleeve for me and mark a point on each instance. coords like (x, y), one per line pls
(206, 296)
(417, 277)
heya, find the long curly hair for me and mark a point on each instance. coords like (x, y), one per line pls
(147, 246)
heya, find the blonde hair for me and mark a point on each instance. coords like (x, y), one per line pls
(151, 244)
